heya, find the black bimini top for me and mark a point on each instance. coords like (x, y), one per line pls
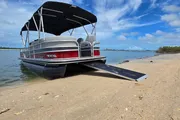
(59, 17)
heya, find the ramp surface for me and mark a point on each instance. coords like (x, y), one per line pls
(120, 72)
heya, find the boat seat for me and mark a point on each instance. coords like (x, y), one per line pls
(91, 38)
(79, 40)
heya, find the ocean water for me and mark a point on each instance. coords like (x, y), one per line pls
(11, 70)
(13, 73)
(115, 57)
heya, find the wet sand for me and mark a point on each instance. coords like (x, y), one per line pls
(100, 96)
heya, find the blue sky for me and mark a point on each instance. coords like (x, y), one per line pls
(122, 24)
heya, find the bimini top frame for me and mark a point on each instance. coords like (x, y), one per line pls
(57, 17)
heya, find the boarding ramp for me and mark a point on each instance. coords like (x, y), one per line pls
(120, 72)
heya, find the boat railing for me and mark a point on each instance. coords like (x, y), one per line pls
(24, 50)
(40, 43)
(32, 48)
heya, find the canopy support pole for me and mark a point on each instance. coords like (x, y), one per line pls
(85, 30)
(93, 25)
(39, 34)
(23, 40)
(71, 32)
(42, 22)
(27, 34)
(35, 23)
(78, 23)
(94, 28)
(27, 37)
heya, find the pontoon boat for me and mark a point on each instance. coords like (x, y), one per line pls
(50, 56)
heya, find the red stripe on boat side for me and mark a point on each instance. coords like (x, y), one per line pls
(54, 55)
(96, 53)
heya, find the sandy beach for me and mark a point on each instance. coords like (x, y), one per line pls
(98, 95)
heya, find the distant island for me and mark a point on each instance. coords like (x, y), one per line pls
(109, 49)
(169, 49)
(8, 48)
(164, 49)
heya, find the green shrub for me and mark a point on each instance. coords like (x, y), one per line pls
(169, 49)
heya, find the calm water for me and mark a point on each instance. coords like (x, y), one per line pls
(115, 57)
(13, 73)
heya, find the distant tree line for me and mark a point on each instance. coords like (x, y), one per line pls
(109, 49)
(169, 49)
(8, 48)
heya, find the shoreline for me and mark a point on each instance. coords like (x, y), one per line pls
(149, 57)
(17, 83)
(41, 79)
(141, 58)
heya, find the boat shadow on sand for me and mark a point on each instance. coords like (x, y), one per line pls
(71, 71)
(75, 69)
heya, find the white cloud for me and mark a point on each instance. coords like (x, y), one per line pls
(173, 16)
(2, 34)
(169, 17)
(79, 1)
(111, 15)
(3, 5)
(139, 17)
(149, 36)
(153, 3)
(134, 33)
(65, 1)
(135, 48)
(135, 3)
(159, 32)
(21, 10)
(7, 22)
(11, 21)
(121, 37)
(10, 18)
(171, 8)
(178, 30)
(175, 23)
(40, 2)
(172, 19)
(161, 37)
(130, 34)
(125, 24)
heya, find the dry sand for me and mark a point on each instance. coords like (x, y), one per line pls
(100, 96)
